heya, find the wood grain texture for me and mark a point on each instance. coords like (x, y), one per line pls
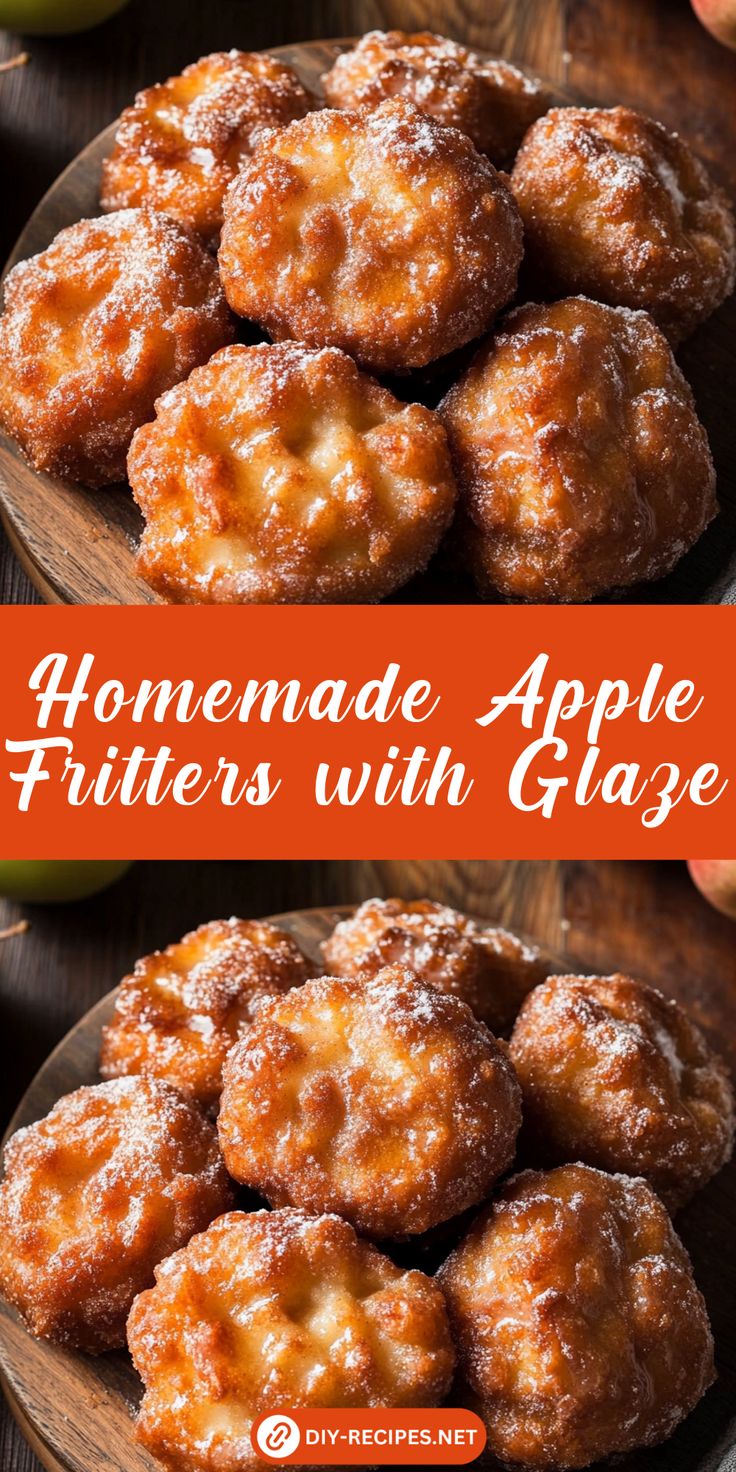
(76, 545)
(643, 918)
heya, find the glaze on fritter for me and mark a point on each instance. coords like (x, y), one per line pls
(182, 142)
(492, 101)
(489, 968)
(94, 1196)
(617, 1075)
(581, 462)
(274, 1310)
(112, 314)
(380, 1098)
(578, 1325)
(618, 208)
(181, 1010)
(282, 474)
(383, 233)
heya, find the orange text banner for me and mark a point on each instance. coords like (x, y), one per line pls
(353, 732)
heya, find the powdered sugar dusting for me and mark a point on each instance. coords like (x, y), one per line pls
(616, 1074)
(378, 1096)
(114, 1178)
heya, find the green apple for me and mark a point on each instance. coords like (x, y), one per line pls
(55, 17)
(52, 881)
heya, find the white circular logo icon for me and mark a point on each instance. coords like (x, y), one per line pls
(277, 1436)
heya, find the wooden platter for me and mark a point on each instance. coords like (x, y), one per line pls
(76, 1410)
(77, 546)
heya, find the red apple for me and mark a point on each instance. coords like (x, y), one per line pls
(716, 879)
(718, 17)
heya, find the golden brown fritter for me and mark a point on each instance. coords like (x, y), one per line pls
(576, 1318)
(179, 1013)
(489, 968)
(492, 101)
(113, 313)
(581, 462)
(182, 142)
(272, 1310)
(94, 1195)
(282, 474)
(620, 209)
(379, 1098)
(383, 233)
(618, 1076)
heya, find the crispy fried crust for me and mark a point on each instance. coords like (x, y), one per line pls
(179, 1013)
(94, 1195)
(617, 1075)
(576, 1319)
(492, 101)
(581, 461)
(278, 1309)
(489, 968)
(383, 233)
(181, 143)
(282, 474)
(618, 208)
(379, 1097)
(113, 313)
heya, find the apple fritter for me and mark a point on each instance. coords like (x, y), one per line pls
(181, 1010)
(272, 1310)
(487, 967)
(378, 1097)
(282, 474)
(618, 1076)
(618, 208)
(114, 312)
(96, 1194)
(579, 1328)
(381, 232)
(182, 142)
(581, 462)
(492, 100)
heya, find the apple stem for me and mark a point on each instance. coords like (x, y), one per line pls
(20, 927)
(21, 59)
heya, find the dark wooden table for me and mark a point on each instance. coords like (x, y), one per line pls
(656, 55)
(644, 918)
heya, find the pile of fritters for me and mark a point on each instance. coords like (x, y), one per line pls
(372, 236)
(375, 1103)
